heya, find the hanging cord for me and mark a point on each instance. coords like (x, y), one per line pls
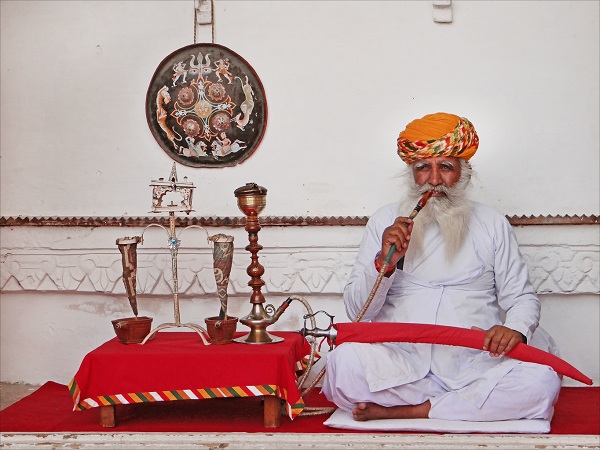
(212, 20)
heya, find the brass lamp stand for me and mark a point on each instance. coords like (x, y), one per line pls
(251, 200)
(185, 189)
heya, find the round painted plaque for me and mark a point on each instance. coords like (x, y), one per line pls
(206, 106)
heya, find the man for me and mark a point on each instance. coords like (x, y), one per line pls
(457, 264)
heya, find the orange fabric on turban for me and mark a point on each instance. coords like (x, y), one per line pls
(438, 134)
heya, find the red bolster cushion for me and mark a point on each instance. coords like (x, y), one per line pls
(418, 333)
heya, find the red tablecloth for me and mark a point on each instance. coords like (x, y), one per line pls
(178, 366)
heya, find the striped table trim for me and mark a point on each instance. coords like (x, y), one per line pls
(185, 394)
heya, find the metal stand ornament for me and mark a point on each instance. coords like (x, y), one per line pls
(185, 189)
(137, 329)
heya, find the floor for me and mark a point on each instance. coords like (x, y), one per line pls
(13, 392)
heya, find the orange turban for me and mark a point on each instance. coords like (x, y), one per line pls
(438, 134)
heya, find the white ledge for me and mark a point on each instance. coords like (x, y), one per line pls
(266, 441)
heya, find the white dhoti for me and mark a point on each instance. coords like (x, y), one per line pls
(527, 391)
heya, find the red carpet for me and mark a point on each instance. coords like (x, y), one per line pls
(49, 409)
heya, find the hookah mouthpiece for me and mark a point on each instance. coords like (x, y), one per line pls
(424, 199)
(421, 204)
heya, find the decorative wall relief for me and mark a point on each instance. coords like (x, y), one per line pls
(573, 269)
(323, 271)
(206, 106)
(560, 269)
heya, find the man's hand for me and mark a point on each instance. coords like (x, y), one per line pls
(397, 234)
(500, 340)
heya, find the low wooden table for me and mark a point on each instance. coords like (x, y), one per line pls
(178, 366)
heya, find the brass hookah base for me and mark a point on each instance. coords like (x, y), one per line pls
(258, 320)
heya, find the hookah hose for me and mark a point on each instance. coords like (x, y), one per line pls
(388, 257)
(420, 205)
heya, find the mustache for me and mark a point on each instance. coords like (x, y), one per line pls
(428, 187)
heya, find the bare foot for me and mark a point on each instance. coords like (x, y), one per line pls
(372, 411)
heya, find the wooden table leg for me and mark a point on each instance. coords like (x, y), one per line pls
(108, 416)
(272, 411)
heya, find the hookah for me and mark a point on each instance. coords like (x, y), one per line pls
(251, 200)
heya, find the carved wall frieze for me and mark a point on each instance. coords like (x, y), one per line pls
(278, 221)
(100, 271)
(571, 269)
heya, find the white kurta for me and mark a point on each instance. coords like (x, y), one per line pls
(486, 284)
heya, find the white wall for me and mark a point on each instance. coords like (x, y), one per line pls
(341, 80)
(62, 287)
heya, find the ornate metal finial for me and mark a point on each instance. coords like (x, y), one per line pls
(173, 176)
(161, 187)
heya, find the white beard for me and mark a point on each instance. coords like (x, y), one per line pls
(450, 212)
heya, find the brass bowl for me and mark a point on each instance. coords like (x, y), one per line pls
(251, 198)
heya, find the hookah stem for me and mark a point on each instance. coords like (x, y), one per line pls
(420, 205)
